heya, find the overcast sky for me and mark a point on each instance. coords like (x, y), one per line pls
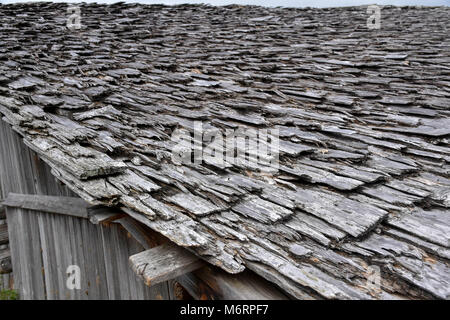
(284, 3)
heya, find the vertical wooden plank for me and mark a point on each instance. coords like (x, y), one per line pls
(92, 289)
(66, 258)
(110, 266)
(159, 291)
(59, 255)
(101, 253)
(131, 247)
(45, 258)
(23, 251)
(121, 253)
(125, 249)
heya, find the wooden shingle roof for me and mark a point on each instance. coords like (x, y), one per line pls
(362, 116)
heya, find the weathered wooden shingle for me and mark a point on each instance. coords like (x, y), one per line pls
(363, 128)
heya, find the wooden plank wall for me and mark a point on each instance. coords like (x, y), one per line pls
(44, 244)
(44, 251)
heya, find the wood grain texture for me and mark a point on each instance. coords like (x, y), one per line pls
(59, 241)
(5, 261)
(3, 232)
(61, 205)
(210, 283)
(44, 244)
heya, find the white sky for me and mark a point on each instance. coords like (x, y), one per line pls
(274, 3)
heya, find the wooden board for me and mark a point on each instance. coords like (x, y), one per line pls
(163, 263)
(62, 205)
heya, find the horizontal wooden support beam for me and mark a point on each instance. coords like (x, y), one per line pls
(164, 262)
(61, 205)
(101, 214)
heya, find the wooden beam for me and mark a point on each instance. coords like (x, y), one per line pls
(163, 263)
(61, 205)
(105, 215)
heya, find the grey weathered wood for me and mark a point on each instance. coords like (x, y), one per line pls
(430, 225)
(110, 265)
(343, 109)
(79, 238)
(59, 241)
(22, 171)
(212, 283)
(26, 248)
(51, 204)
(196, 204)
(138, 232)
(163, 263)
(5, 261)
(22, 253)
(99, 214)
(35, 256)
(59, 257)
(3, 232)
(43, 244)
(91, 264)
(6, 281)
(14, 246)
(122, 268)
